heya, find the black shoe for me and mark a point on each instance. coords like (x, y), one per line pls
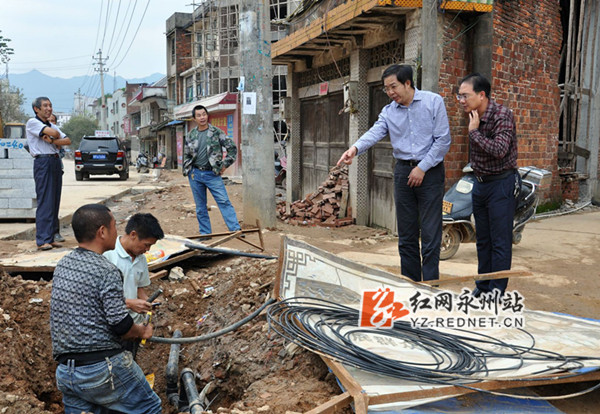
(58, 238)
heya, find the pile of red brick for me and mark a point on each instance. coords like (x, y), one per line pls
(327, 207)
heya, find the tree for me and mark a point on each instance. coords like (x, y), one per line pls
(79, 126)
(11, 99)
(5, 51)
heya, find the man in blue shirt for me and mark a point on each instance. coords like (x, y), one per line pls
(417, 124)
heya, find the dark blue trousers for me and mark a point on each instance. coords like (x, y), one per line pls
(494, 206)
(419, 212)
(47, 174)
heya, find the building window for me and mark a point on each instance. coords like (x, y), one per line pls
(189, 89)
(279, 84)
(173, 54)
(199, 40)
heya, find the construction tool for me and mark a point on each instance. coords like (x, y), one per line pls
(148, 316)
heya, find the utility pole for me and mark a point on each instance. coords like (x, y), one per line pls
(101, 69)
(430, 73)
(257, 123)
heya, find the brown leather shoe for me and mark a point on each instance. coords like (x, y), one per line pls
(55, 244)
(45, 246)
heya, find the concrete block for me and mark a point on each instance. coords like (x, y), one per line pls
(16, 193)
(22, 203)
(3, 202)
(23, 164)
(16, 173)
(6, 164)
(17, 213)
(25, 184)
(17, 154)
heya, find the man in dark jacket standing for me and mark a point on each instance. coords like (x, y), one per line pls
(493, 145)
(203, 164)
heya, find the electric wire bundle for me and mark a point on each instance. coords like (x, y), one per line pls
(457, 358)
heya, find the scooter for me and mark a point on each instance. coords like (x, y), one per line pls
(280, 170)
(457, 210)
(141, 163)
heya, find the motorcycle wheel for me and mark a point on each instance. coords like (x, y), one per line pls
(450, 242)
(517, 235)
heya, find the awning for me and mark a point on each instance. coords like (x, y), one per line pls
(345, 18)
(225, 101)
(174, 122)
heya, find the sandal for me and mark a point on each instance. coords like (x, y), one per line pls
(45, 246)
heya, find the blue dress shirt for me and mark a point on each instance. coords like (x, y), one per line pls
(419, 131)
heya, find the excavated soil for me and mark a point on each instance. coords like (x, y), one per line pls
(250, 370)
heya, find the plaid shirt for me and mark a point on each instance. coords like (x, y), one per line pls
(494, 143)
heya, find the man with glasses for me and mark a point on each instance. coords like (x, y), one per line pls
(417, 124)
(493, 145)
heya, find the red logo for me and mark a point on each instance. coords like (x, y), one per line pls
(378, 309)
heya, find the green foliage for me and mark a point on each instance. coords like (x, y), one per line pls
(77, 127)
(11, 99)
(5, 51)
(550, 205)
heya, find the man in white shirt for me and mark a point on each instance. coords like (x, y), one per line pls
(44, 139)
(141, 233)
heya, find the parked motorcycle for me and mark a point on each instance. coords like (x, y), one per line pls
(142, 165)
(458, 221)
(280, 169)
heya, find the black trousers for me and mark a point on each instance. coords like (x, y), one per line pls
(419, 213)
(494, 206)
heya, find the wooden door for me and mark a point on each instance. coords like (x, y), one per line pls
(382, 211)
(324, 138)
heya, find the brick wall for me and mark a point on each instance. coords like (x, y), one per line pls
(456, 55)
(184, 61)
(525, 65)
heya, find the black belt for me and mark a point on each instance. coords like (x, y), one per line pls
(494, 177)
(411, 163)
(204, 168)
(87, 358)
(46, 156)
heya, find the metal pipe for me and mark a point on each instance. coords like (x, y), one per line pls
(172, 371)
(192, 398)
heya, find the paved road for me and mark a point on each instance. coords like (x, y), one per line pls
(77, 193)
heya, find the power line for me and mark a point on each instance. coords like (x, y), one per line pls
(48, 61)
(110, 50)
(106, 22)
(134, 35)
(114, 27)
(126, 30)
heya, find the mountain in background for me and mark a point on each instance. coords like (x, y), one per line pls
(62, 92)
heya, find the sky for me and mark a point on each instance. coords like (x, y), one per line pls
(59, 37)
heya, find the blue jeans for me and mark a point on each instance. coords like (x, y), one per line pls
(98, 387)
(199, 182)
(419, 213)
(494, 206)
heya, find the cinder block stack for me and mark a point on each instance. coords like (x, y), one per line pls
(17, 187)
(327, 207)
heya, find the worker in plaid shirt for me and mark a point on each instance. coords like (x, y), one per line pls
(493, 145)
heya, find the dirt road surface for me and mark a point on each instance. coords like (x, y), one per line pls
(252, 370)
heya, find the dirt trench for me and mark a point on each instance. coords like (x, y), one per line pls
(250, 369)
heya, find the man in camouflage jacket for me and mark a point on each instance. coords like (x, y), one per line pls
(203, 164)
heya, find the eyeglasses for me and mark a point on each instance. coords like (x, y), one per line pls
(462, 96)
(386, 89)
